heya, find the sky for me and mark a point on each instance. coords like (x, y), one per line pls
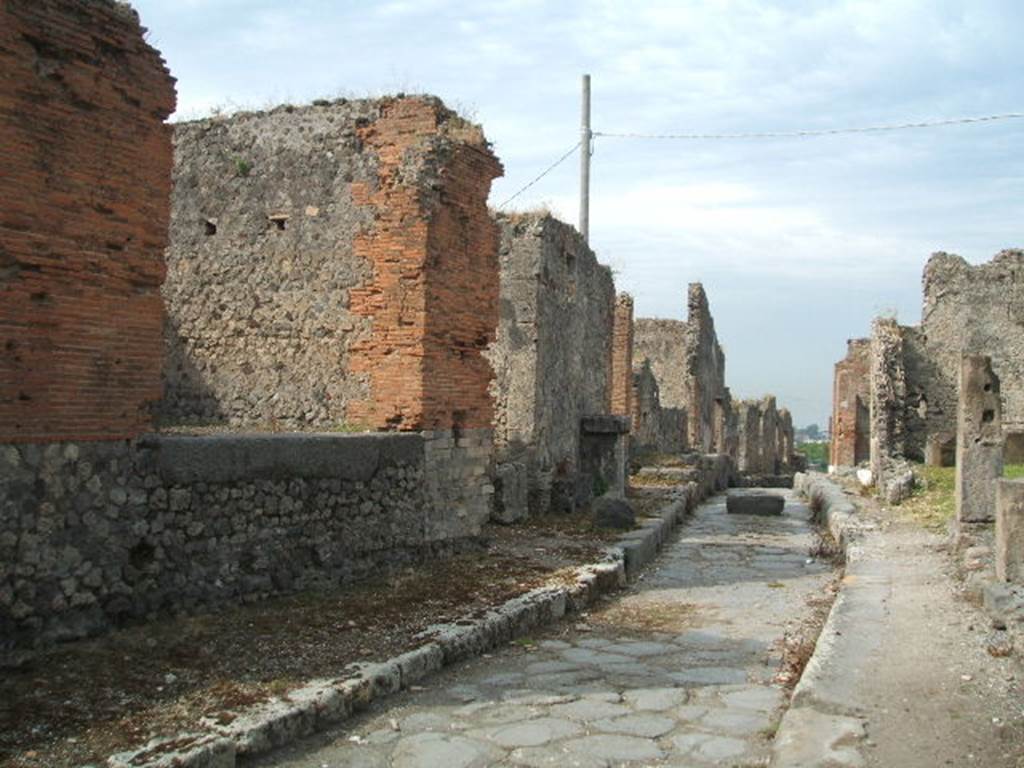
(799, 242)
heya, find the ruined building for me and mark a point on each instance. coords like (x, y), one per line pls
(553, 361)
(895, 393)
(319, 357)
(332, 266)
(681, 366)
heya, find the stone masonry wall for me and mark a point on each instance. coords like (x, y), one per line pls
(851, 406)
(971, 310)
(86, 159)
(888, 382)
(332, 264)
(748, 454)
(655, 429)
(552, 360)
(663, 344)
(968, 310)
(93, 535)
(705, 372)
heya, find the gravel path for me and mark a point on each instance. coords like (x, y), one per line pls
(677, 671)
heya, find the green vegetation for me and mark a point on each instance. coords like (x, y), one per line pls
(243, 167)
(932, 503)
(816, 453)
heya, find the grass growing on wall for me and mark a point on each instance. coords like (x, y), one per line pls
(1013, 471)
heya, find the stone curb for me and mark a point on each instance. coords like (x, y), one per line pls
(807, 737)
(839, 513)
(322, 704)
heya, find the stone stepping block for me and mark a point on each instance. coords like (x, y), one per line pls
(754, 503)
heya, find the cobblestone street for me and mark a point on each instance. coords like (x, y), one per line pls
(676, 671)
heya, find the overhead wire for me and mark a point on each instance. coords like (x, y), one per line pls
(803, 133)
(815, 131)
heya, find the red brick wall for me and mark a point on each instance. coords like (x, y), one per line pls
(622, 357)
(433, 298)
(85, 176)
(850, 393)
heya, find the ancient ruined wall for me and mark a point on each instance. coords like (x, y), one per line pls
(975, 310)
(968, 310)
(748, 417)
(705, 372)
(663, 344)
(85, 182)
(689, 366)
(128, 529)
(769, 450)
(787, 438)
(332, 264)
(851, 406)
(552, 360)
(888, 388)
(622, 357)
(655, 428)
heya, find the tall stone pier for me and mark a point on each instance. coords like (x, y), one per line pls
(979, 441)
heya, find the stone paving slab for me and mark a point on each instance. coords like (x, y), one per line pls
(678, 671)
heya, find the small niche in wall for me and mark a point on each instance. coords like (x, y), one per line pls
(210, 227)
(279, 220)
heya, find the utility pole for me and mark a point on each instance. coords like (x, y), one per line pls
(585, 138)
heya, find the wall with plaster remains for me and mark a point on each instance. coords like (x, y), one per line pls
(332, 264)
(86, 159)
(552, 361)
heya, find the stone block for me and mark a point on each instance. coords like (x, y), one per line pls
(979, 444)
(753, 503)
(613, 513)
(1010, 530)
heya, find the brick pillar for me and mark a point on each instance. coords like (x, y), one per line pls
(1010, 530)
(979, 441)
(433, 299)
(85, 180)
(622, 357)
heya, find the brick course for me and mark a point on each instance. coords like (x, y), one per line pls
(86, 159)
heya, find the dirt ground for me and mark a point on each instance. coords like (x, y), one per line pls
(80, 702)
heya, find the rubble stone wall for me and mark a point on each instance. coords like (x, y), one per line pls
(552, 361)
(332, 265)
(655, 428)
(86, 181)
(971, 310)
(96, 534)
(968, 310)
(704, 374)
(663, 344)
